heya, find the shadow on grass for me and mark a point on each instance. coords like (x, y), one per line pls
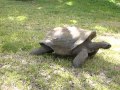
(101, 73)
(24, 0)
(47, 71)
(83, 13)
(93, 68)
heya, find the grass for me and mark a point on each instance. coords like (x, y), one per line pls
(24, 23)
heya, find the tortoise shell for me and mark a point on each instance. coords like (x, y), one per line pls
(64, 39)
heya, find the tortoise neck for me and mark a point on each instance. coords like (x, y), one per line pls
(96, 45)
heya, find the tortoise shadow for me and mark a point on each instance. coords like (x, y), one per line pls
(96, 61)
(93, 66)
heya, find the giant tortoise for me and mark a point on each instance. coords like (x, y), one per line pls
(71, 40)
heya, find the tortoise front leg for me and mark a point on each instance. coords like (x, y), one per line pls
(80, 58)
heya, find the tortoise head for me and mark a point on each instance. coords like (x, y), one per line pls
(105, 45)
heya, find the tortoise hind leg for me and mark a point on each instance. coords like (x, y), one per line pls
(80, 58)
(41, 50)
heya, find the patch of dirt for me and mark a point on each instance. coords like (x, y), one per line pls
(1, 65)
(117, 68)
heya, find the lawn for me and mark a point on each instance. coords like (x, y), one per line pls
(23, 23)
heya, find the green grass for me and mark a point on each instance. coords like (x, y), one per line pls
(24, 23)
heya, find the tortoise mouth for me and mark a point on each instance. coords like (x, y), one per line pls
(107, 46)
